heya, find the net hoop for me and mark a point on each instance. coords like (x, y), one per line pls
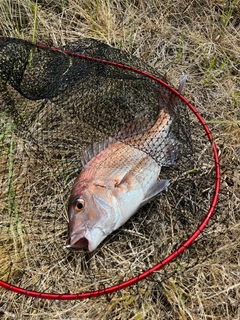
(176, 253)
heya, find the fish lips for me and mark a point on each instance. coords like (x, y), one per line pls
(85, 238)
(79, 239)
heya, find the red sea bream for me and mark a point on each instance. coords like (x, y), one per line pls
(118, 180)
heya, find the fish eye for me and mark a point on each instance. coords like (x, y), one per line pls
(79, 205)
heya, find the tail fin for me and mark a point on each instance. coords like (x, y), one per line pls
(175, 99)
(182, 84)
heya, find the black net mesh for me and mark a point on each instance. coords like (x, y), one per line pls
(53, 107)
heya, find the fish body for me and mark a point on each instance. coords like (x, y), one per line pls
(118, 180)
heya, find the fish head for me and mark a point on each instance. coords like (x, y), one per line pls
(93, 214)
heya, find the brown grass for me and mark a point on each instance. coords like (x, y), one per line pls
(197, 38)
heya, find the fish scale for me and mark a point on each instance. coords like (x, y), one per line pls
(119, 159)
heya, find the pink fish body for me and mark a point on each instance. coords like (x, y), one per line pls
(117, 181)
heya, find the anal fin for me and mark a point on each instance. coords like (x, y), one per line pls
(169, 150)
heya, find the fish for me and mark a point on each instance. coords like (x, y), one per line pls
(118, 178)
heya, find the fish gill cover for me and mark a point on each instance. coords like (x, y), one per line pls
(54, 105)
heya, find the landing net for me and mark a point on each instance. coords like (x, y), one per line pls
(54, 104)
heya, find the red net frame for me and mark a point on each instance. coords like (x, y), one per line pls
(176, 253)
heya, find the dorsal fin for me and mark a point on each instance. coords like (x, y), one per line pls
(95, 148)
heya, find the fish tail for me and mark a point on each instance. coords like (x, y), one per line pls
(168, 101)
(182, 84)
(180, 90)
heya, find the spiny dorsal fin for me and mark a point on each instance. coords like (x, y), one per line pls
(95, 148)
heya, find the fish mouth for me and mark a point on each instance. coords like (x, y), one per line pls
(85, 238)
(80, 243)
(78, 240)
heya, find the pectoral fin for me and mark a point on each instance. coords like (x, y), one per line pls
(158, 187)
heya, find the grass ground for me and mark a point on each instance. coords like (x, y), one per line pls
(197, 38)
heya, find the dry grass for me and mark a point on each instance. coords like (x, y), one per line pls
(197, 38)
